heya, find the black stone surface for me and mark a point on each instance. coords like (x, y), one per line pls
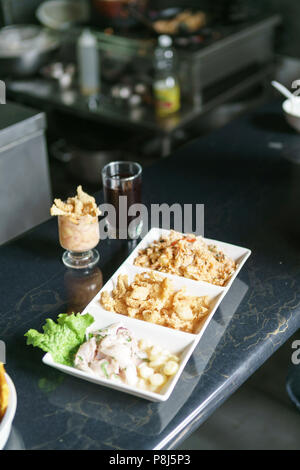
(247, 176)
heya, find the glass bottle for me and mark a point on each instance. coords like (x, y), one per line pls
(88, 64)
(166, 88)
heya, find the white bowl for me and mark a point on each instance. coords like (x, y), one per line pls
(5, 424)
(61, 14)
(292, 113)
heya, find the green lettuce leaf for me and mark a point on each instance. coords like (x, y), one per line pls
(61, 339)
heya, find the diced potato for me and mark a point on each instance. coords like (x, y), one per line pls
(158, 361)
(144, 344)
(172, 357)
(165, 353)
(142, 384)
(171, 367)
(155, 351)
(145, 371)
(157, 380)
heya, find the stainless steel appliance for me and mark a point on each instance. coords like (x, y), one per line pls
(25, 194)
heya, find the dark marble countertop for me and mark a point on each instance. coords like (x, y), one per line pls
(247, 176)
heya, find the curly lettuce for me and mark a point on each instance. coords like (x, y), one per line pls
(61, 339)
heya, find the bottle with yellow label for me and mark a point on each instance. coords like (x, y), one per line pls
(166, 88)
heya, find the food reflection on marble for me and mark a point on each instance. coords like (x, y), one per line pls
(81, 286)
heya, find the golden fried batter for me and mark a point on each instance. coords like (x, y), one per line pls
(152, 297)
(81, 205)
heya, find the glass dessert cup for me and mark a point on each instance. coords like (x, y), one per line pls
(79, 239)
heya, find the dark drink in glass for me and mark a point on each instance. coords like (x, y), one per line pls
(122, 185)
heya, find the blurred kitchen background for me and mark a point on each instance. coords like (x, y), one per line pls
(110, 89)
(92, 81)
(97, 70)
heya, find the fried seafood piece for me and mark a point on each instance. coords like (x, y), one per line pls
(81, 205)
(151, 297)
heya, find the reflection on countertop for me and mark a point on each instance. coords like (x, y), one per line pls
(15, 440)
(81, 286)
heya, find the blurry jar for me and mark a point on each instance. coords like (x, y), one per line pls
(166, 88)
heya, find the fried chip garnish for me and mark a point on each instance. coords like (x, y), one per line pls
(151, 297)
(81, 205)
(4, 392)
(84, 197)
(187, 256)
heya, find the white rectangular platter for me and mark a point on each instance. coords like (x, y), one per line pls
(177, 342)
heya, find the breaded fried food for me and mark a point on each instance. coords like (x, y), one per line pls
(151, 297)
(4, 392)
(81, 205)
(187, 256)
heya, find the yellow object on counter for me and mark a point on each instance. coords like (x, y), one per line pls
(4, 392)
(167, 100)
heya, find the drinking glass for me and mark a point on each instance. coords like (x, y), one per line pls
(121, 179)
